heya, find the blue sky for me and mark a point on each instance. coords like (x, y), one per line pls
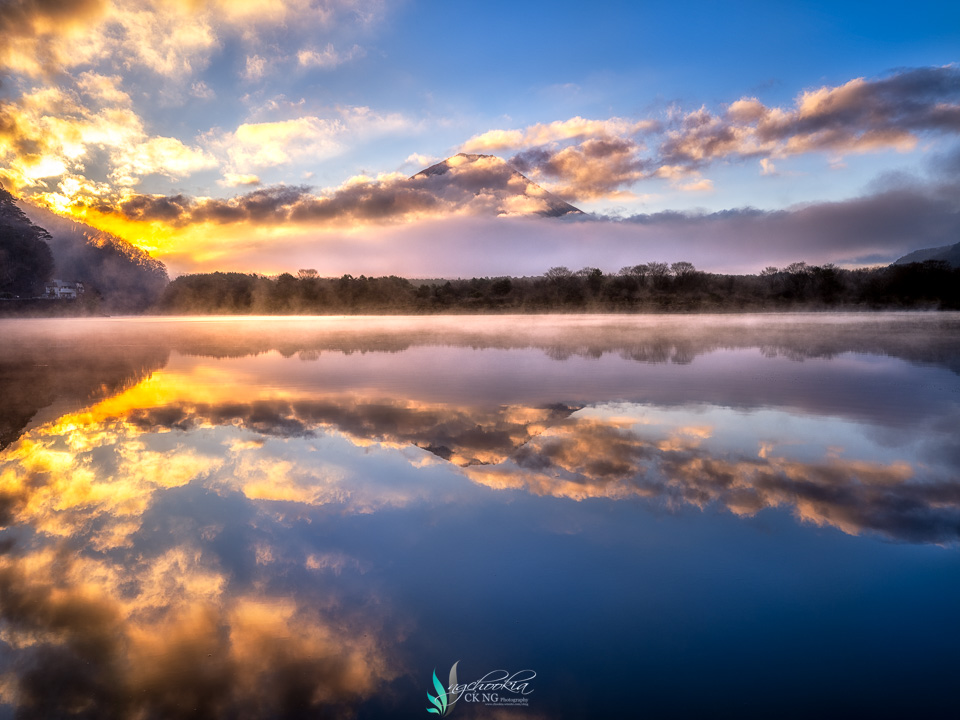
(165, 121)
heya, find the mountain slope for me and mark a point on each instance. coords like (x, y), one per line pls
(492, 182)
(947, 253)
(127, 278)
(26, 261)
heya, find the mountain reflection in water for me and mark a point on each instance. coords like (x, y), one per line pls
(189, 504)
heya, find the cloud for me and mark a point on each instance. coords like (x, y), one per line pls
(255, 68)
(163, 155)
(580, 158)
(704, 185)
(47, 36)
(365, 121)
(328, 57)
(478, 186)
(415, 229)
(234, 180)
(37, 33)
(49, 132)
(419, 160)
(303, 139)
(858, 116)
(201, 90)
(541, 134)
(259, 145)
(591, 169)
(81, 120)
(53, 133)
(103, 88)
(168, 37)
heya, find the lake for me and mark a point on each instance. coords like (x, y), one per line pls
(555, 516)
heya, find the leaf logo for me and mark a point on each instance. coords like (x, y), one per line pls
(442, 703)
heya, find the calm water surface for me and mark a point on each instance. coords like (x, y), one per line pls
(729, 516)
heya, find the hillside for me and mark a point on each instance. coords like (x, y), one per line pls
(26, 260)
(126, 278)
(948, 253)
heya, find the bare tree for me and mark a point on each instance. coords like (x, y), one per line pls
(658, 270)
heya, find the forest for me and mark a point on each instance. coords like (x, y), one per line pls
(649, 287)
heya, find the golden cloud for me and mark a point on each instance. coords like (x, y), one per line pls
(172, 38)
(595, 168)
(560, 130)
(235, 180)
(254, 145)
(859, 116)
(50, 133)
(163, 155)
(856, 117)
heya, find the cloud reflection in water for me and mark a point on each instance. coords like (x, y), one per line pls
(169, 549)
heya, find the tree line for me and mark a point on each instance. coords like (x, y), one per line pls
(648, 287)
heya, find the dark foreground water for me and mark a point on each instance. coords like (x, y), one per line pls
(731, 516)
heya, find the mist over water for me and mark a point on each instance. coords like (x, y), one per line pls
(302, 517)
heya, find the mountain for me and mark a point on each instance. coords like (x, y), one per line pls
(26, 261)
(490, 180)
(947, 253)
(127, 278)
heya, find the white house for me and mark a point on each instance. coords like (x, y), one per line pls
(61, 290)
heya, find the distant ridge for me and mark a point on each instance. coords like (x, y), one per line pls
(948, 253)
(514, 193)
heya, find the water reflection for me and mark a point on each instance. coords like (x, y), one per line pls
(207, 519)
(92, 638)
